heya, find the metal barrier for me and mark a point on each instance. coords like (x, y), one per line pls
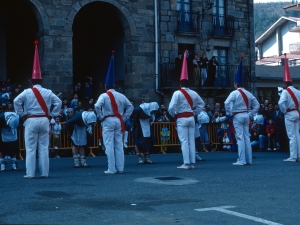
(161, 141)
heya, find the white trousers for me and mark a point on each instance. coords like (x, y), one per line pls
(37, 137)
(186, 135)
(242, 135)
(292, 129)
(112, 138)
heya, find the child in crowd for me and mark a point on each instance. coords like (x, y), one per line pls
(226, 142)
(74, 102)
(270, 130)
(56, 129)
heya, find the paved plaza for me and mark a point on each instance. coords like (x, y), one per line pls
(214, 193)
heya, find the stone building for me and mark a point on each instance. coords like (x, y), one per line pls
(76, 38)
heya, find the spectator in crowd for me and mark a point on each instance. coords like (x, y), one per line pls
(178, 66)
(208, 111)
(68, 113)
(277, 117)
(212, 72)
(90, 105)
(258, 133)
(203, 68)
(56, 129)
(164, 117)
(15, 93)
(226, 142)
(65, 103)
(79, 107)
(88, 93)
(196, 69)
(74, 101)
(271, 130)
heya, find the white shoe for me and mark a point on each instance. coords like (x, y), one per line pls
(238, 164)
(274, 149)
(269, 149)
(185, 167)
(109, 172)
(290, 160)
(192, 166)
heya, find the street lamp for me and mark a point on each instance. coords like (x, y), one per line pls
(206, 5)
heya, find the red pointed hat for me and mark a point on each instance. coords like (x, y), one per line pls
(184, 71)
(36, 70)
(286, 73)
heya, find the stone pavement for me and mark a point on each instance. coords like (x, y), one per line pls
(265, 193)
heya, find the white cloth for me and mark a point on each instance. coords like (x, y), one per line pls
(79, 136)
(145, 123)
(235, 103)
(186, 126)
(197, 131)
(103, 105)
(9, 134)
(291, 120)
(37, 129)
(89, 118)
(202, 118)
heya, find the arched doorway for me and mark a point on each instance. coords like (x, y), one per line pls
(18, 30)
(97, 31)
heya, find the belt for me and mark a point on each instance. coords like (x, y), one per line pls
(290, 110)
(233, 114)
(184, 115)
(37, 116)
(107, 117)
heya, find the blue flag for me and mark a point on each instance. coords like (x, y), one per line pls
(239, 75)
(110, 76)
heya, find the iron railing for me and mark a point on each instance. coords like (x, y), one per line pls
(169, 76)
(222, 25)
(188, 21)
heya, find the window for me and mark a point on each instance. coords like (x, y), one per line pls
(222, 79)
(184, 5)
(219, 17)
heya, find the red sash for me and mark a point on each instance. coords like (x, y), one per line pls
(294, 99)
(244, 97)
(188, 97)
(115, 109)
(40, 100)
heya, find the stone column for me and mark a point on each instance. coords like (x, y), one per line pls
(2, 46)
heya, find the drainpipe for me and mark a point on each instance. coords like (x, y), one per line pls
(156, 52)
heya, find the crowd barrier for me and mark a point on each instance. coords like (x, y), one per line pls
(161, 141)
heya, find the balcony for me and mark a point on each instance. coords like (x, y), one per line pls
(188, 22)
(222, 26)
(169, 78)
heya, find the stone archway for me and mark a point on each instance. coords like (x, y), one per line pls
(119, 14)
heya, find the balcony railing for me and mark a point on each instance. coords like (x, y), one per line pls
(188, 21)
(222, 26)
(225, 74)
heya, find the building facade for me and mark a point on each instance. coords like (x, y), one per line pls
(76, 38)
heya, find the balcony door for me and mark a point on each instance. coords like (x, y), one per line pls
(184, 9)
(219, 22)
(221, 55)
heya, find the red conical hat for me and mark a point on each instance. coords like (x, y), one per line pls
(286, 73)
(184, 71)
(36, 70)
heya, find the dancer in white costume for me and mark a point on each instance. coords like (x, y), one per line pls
(289, 104)
(184, 105)
(238, 106)
(37, 102)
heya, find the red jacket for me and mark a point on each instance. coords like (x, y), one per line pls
(270, 129)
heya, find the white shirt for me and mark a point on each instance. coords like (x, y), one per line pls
(31, 105)
(286, 101)
(179, 103)
(235, 103)
(103, 106)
